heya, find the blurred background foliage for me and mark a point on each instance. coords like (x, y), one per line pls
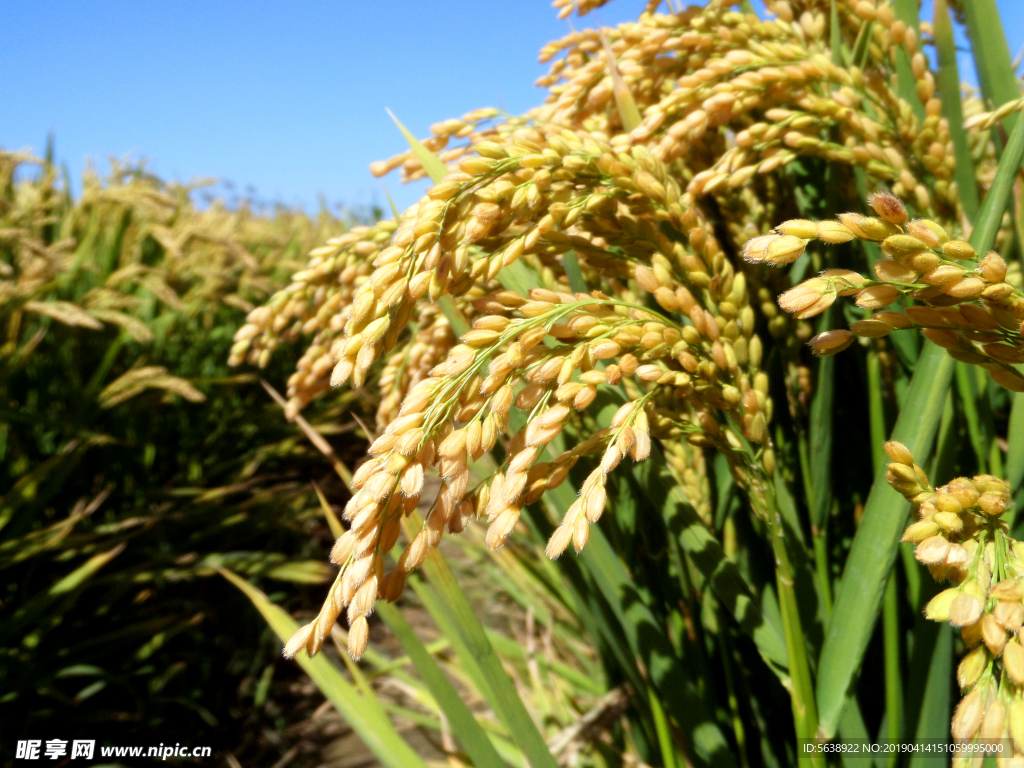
(133, 461)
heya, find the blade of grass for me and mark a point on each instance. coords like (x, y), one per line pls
(860, 45)
(446, 623)
(571, 263)
(835, 34)
(984, 235)
(804, 705)
(890, 606)
(452, 314)
(739, 731)
(378, 734)
(602, 622)
(974, 398)
(1015, 455)
(431, 163)
(26, 489)
(464, 726)
(373, 705)
(893, 680)
(969, 406)
(907, 12)
(436, 170)
(504, 698)
(661, 726)
(516, 277)
(991, 55)
(860, 592)
(948, 82)
(820, 440)
(394, 208)
(509, 648)
(85, 570)
(332, 519)
(935, 713)
(852, 727)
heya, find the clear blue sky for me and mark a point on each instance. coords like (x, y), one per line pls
(287, 97)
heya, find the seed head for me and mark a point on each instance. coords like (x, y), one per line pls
(831, 342)
(1013, 663)
(899, 453)
(972, 665)
(889, 207)
(938, 607)
(968, 716)
(965, 609)
(810, 298)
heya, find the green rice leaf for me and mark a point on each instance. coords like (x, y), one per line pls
(835, 34)
(907, 12)
(935, 711)
(452, 314)
(85, 571)
(503, 695)
(1015, 456)
(991, 55)
(948, 82)
(571, 263)
(517, 277)
(431, 163)
(377, 732)
(647, 639)
(464, 726)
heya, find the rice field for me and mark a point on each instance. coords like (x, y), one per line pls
(680, 423)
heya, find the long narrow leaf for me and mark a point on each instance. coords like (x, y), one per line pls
(504, 697)
(948, 82)
(378, 734)
(1015, 456)
(571, 263)
(991, 55)
(907, 12)
(629, 114)
(464, 725)
(436, 170)
(821, 440)
(446, 623)
(934, 722)
(431, 163)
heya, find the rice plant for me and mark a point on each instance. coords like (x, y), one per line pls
(576, 336)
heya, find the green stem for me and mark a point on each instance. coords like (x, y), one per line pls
(893, 681)
(890, 604)
(821, 566)
(948, 79)
(739, 732)
(968, 402)
(876, 409)
(805, 713)
(661, 728)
